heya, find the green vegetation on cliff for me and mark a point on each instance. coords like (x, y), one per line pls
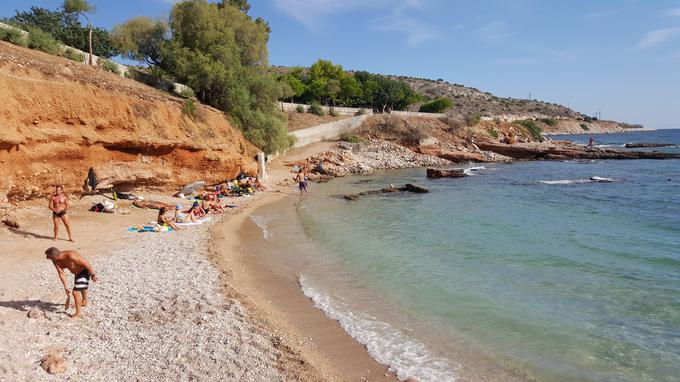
(221, 53)
(330, 84)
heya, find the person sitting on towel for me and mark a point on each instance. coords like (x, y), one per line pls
(196, 211)
(181, 217)
(164, 220)
(82, 270)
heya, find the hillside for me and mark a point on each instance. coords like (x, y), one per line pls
(59, 118)
(471, 101)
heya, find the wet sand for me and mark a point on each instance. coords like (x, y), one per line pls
(273, 294)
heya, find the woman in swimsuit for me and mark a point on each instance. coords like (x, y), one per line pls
(164, 220)
(58, 204)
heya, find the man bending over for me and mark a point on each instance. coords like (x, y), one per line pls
(80, 267)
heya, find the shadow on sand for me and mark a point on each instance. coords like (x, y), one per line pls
(27, 234)
(26, 305)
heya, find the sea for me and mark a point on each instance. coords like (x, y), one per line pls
(531, 271)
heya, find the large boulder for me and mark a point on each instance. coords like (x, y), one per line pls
(435, 173)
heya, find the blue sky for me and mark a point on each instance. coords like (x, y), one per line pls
(618, 56)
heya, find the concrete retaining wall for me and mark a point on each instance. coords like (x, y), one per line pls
(327, 131)
(417, 114)
(350, 111)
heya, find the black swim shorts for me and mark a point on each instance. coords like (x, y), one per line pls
(82, 280)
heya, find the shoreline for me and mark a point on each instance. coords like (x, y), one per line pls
(275, 300)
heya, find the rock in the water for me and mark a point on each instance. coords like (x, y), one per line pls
(36, 313)
(53, 362)
(417, 189)
(352, 197)
(640, 145)
(438, 173)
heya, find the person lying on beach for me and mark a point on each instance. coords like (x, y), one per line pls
(181, 217)
(58, 204)
(82, 270)
(164, 220)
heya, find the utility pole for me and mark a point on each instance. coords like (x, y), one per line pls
(529, 96)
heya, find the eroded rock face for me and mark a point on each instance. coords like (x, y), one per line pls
(457, 156)
(57, 123)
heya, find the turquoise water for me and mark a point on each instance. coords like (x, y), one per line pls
(526, 265)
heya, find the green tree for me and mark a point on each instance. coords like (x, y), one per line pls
(221, 53)
(350, 91)
(66, 28)
(140, 39)
(241, 5)
(81, 7)
(436, 105)
(332, 90)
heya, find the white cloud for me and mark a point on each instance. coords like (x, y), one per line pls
(314, 14)
(416, 32)
(311, 13)
(658, 37)
(675, 12)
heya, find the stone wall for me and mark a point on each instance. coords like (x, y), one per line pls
(417, 114)
(327, 131)
(350, 111)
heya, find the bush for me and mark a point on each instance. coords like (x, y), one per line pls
(300, 109)
(532, 128)
(333, 112)
(350, 138)
(436, 106)
(187, 92)
(110, 67)
(42, 41)
(189, 109)
(585, 127)
(73, 55)
(360, 112)
(454, 123)
(472, 119)
(315, 108)
(493, 134)
(13, 36)
(549, 122)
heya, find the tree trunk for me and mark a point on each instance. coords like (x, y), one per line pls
(90, 38)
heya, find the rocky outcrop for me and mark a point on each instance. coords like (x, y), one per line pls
(366, 157)
(59, 118)
(641, 145)
(408, 187)
(458, 156)
(435, 173)
(562, 151)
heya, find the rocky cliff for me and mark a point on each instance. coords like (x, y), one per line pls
(58, 118)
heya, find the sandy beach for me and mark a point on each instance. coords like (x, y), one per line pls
(186, 305)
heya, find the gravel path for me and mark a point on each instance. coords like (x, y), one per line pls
(156, 314)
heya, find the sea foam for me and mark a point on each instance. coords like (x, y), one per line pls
(263, 223)
(405, 356)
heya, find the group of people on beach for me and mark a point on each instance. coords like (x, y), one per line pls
(205, 203)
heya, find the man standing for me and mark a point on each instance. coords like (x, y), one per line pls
(58, 204)
(80, 267)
